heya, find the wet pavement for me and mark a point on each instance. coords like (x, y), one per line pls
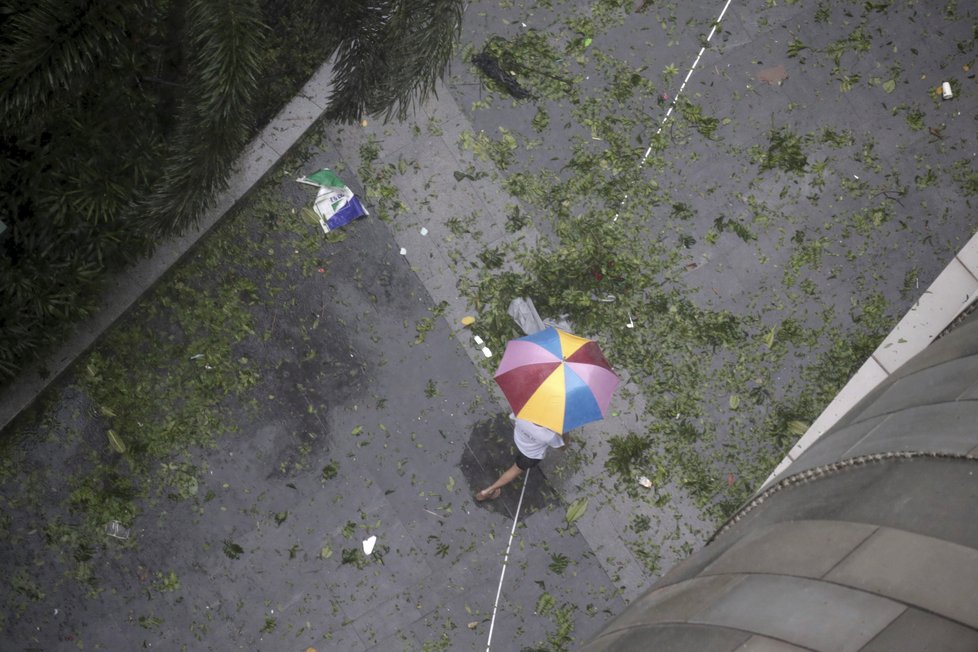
(373, 435)
(372, 411)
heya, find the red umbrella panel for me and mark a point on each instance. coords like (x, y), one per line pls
(556, 379)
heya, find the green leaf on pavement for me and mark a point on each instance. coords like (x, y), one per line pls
(798, 428)
(576, 510)
(232, 550)
(116, 442)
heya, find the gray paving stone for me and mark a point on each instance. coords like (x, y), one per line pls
(919, 630)
(603, 526)
(796, 610)
(384, 621)
(922, 571)
(361, 590)
(944, 349)
(399, 142)
(832, 448)
(925, 510)
(730, 35)
(757, 20)
(441, 628)
(804, 548)
(927, 386)
(676, 603)
(672, 638)
(424, 253)
(764, 644)
(943, 428)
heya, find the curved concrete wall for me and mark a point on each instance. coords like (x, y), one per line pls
(869, 542)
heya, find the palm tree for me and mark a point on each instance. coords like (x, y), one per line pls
(389, 52)
(119, 121)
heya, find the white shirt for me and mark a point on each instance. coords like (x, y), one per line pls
(533, 440)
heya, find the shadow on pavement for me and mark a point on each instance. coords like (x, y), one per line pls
(490, 451)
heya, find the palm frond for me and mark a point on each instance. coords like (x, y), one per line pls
(52, 46)
(225, 43)
(393, 54)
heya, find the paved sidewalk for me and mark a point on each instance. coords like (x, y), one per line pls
(264, 555)
(425, 154)
(441, 258)
(403, 603)
(432, 197)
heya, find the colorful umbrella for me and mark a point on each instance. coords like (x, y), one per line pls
(556, 380)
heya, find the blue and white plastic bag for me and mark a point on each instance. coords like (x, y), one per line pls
(335, 204)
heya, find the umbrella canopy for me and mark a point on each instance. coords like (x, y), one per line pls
(556, 380)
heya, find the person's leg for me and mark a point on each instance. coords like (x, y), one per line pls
(523, 463)
(508, 476)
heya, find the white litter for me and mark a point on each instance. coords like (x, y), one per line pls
(645, 482)
(368, 545)
(403, 251)
(486, 352)
(478, 340)
(424, 231)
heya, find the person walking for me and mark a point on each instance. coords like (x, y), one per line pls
(532, 442)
